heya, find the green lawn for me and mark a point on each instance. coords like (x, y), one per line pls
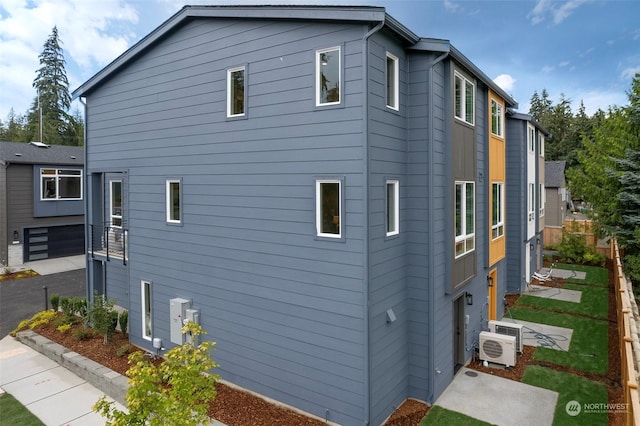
(441, 416)
(570, 388)
(589, 344)
(595, 275)
(594, 301)
(14, 413)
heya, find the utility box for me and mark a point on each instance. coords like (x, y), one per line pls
(192, 315)
(178, 313)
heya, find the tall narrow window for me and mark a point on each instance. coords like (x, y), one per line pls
(532, 138)
(236, 92)
(496, 118)
(328, 199)
(147, 328)
(115, 205)
(464, 99)
(328, 76)
(393, 82)
(174, 201)
(532, 201)
(465, 218)
(542, 197)
(540, 145)
(393, 207)
(497, 207)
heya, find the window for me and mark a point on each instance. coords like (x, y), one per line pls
(540, 145)
(328, 208)
(115, 203)
(532, 138)
(393, 207)
(174, 201)
(328, 76)
(496, 118)
(532, 201)
(145, 292)
(542, 197)
(497, 208)
(465, 217)
(236, 92)
(60, 184)
(393, 83)
(464, 99)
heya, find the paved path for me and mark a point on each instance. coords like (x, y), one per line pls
(20, 299)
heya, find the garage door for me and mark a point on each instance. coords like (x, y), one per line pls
(54, 241)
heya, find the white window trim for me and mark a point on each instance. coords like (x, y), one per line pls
(396, 207)
(230, 71)
(531, 203)
(464, 236)
(111, 215)
(396, 82)
(543, 198)
(57, 177)
(317, 76)
(541, 144)
(531, 137)
(500, 225)
(500, 110)
(144, 303)
(319, 182)
(168, 200)
(463, 100)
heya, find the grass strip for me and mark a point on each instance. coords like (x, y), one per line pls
(588, 350)
(594, 301)
(595, 275)
(588, 394)
(441, 416)
(14, 413)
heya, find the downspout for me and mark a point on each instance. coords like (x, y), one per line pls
(365, 119)
(430, 258)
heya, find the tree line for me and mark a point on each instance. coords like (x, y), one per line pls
(48, 119)
(602, 154)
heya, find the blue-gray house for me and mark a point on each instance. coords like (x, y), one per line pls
(314, 185)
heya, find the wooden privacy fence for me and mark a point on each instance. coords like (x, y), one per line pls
(628, 323)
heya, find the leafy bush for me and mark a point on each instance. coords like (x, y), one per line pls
(37, 319)
(574, 249)
(175, 392)
(64, 327)
(65, 319)
(125, 349)
(123, 319)
(81, 333)
(66, 305)
(55, 301)
(102, 316)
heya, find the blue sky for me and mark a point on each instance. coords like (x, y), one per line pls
(585, 49)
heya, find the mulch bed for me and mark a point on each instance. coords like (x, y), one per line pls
(28, 273)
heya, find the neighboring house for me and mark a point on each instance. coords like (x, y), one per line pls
(526, 206)
(41, 202)
(320, 188)
(558, 200)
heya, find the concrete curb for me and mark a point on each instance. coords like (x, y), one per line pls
(106, 380)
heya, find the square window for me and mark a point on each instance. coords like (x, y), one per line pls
(328, 76)
(174, 199)
(328, 208)
(464, 99)
(392, 82)
(236, 92)
(393, 207)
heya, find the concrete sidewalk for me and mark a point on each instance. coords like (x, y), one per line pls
(51, 392)
(55, 265)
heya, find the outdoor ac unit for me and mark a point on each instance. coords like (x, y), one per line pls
(510, 329)
(498, 348)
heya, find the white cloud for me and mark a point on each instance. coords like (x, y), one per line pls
(629, 73)
(557, 11)
(93, 33)
(451, 6)
(596, 99)
(563, 64)
(506, 82)
(547, 69)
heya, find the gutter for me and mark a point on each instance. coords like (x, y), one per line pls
(87, 226)
(430, 258)
(365, 118)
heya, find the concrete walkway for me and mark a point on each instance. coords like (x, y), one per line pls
(51, 392)
(555, 293)
(54, 266)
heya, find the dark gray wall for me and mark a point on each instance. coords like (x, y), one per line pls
(286, 308)
(4, 254)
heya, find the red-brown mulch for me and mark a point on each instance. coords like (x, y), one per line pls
(28, 273)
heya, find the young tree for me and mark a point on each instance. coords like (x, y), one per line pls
(49, 108)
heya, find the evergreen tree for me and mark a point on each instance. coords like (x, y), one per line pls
(13, 129)
(53, 98)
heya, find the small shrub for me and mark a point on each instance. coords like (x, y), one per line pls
(125, 349)
(79, 306)
(38, 318)
(66, 305)
(55, 302)
(102, 316)
(65, 319)
(63, 328)
(81, 333)
(123, 319)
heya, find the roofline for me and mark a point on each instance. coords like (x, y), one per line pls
(320, 13)
(528, 117)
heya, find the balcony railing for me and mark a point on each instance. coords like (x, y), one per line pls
(109, 241)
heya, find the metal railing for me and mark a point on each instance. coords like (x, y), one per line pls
(108, 241)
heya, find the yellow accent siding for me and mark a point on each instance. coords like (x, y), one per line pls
(497, 174)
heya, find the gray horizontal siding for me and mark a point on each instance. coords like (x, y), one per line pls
(285, 307)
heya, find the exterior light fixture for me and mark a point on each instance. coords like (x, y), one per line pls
(468, 297)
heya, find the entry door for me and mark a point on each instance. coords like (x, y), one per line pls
(458, 333)
(492, 285)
